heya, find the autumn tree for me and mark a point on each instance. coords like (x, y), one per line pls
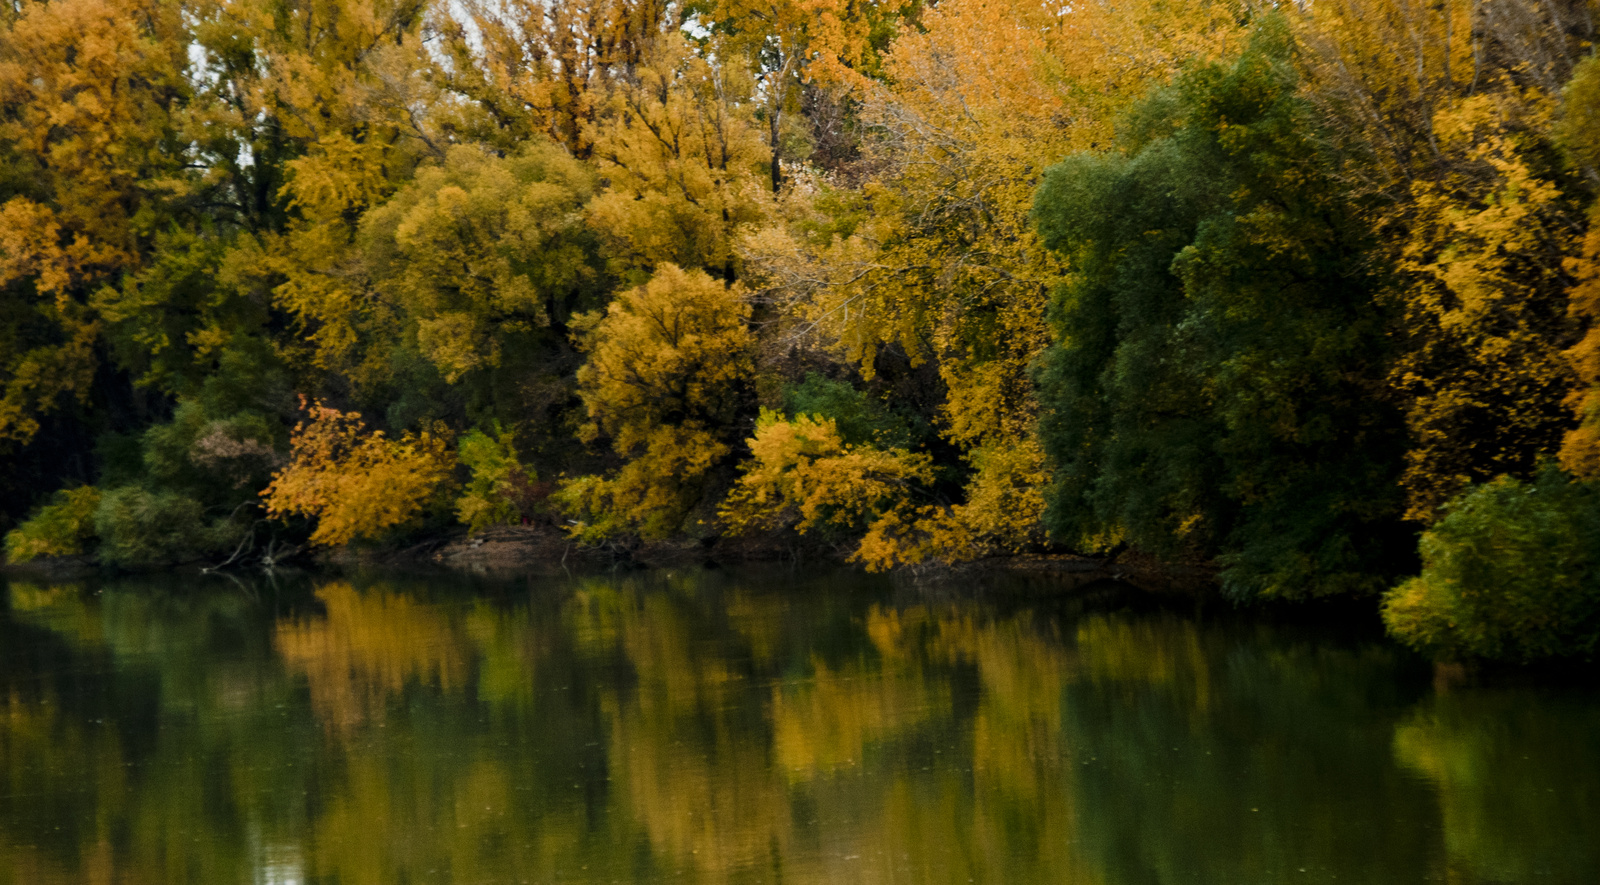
(532, 67)
(803, 475)
(668, 364)
(482, 260)
(346, 84)
(358, 484)
(792, 44)
(1441, 115)
(933, 257)
(1579, 134)
(684, 162)
(91, 96)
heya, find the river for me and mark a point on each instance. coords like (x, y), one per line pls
(764, 725)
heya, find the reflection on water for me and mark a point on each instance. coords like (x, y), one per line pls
(753, 727)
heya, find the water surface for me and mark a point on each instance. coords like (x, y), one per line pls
(756, 726)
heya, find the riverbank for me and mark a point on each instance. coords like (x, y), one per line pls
(508, 551)
(519, 549)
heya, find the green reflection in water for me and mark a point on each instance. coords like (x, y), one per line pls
(751, 727)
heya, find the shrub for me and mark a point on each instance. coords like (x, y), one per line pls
(805, 476)
(1511, 573)
(139, 528)
(210, 458)
(64, 527)
(859, 417)
(500, 491)
(355, 483)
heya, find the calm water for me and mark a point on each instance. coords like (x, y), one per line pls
(755, 727)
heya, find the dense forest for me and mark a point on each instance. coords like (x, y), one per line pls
(1308, 292)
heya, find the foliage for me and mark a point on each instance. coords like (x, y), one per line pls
(668, 365)
(859, 417)
(1510, 573)
(794, 42)
(139, 528)
(803, 474)
(90, 92)
(342, 88)
(1441, 116)
(683, 161)
(63, 527)
(480, 251)
(499, 492)
(1485, 306)
(531, 68)
(1217, 386)
(1316, 268)
(931, 255)
(357, 484)
(218, 460)
(1579, 134)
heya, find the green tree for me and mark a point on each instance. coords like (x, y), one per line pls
(64, 527)
(499, 492)
(1217, 388)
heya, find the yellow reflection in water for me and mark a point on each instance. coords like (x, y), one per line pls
(365, 650)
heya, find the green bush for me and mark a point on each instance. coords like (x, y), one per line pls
(214, 460)
(1511, 573)
(500, 491)
(143, 529)
(64, 527)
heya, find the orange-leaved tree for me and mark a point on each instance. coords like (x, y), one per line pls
(355, 483)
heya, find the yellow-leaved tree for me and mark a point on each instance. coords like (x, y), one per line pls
(1580, 136)
(803, 475)
(532, 67)
(684, 161)
(1443, 114)
(358, 484)
(668, 365)
(792, 43)
(346, 83)
(481, 250)
(91, 92)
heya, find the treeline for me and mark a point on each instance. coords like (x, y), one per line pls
(1278, 288)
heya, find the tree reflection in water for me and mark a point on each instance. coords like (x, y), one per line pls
(754, 727)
